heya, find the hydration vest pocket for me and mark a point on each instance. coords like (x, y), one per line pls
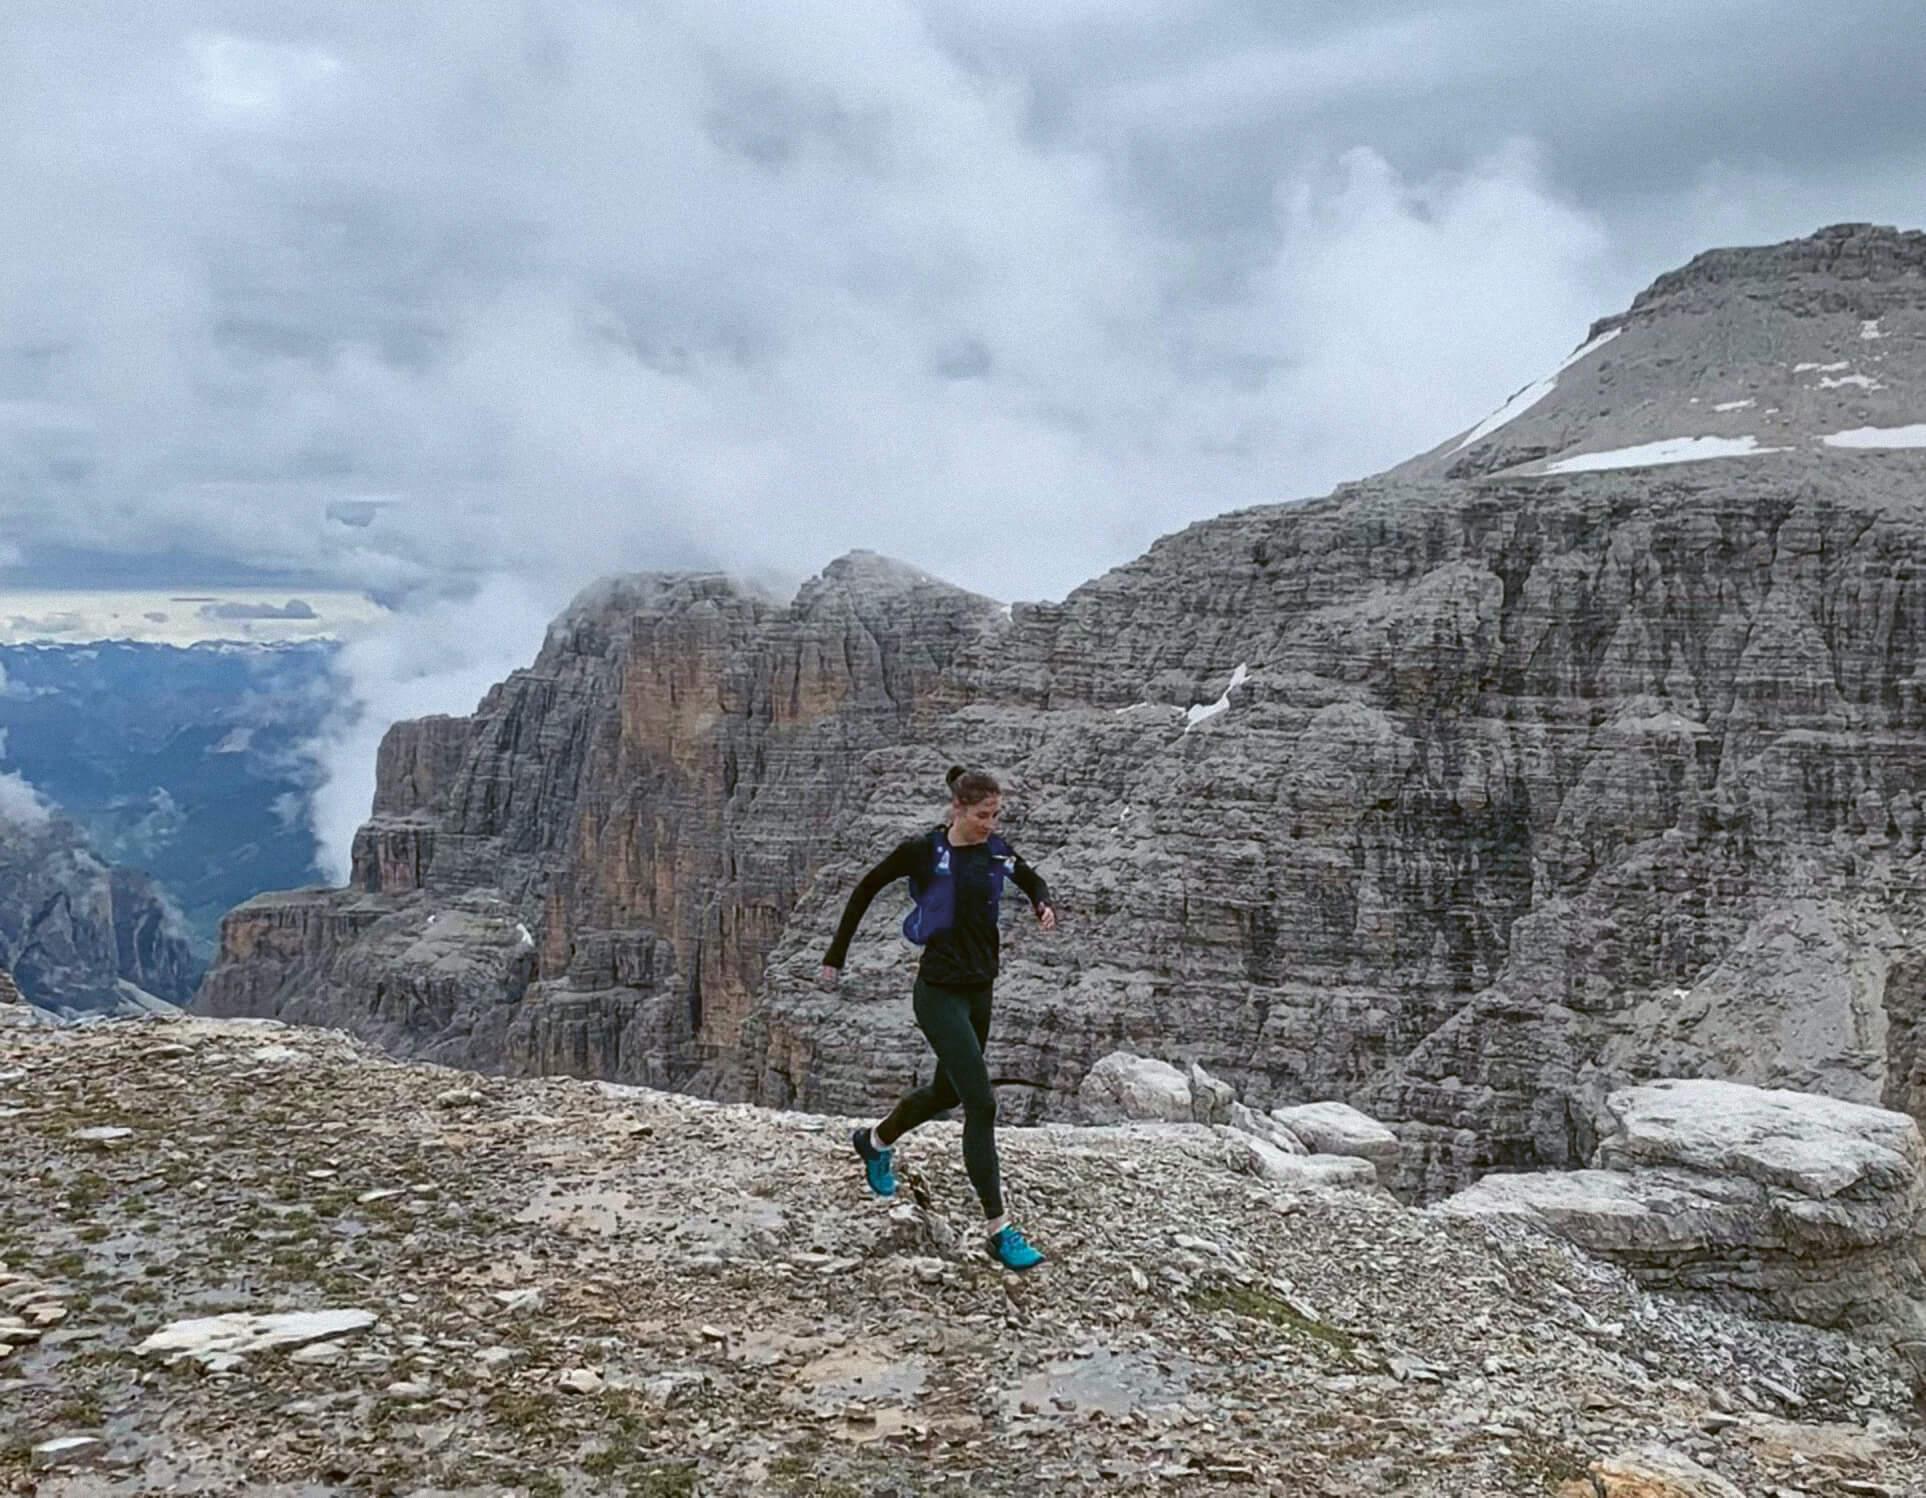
(935, 907)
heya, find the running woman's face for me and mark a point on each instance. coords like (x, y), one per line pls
(972, 824)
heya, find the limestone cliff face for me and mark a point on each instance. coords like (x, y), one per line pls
(610, 845)
(1531, 788)
(1586, 749)
(82, 937)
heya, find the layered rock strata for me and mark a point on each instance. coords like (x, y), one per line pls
(1587, 749)
(79, 936)
(1800, 1206)
(585, 875)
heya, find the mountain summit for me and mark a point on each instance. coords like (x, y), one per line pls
(1813, 346)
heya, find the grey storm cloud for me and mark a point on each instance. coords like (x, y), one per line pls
(392, 295)
(465, 305)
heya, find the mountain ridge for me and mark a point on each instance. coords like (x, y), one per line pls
(1786, 346)
(1465, 793)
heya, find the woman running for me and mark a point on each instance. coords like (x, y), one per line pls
(956, 873)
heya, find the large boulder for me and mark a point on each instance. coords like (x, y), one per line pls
(1783, 1202)
(1816, 1148)
(1333, 1128)
(1264, 1127)
(1299, 1171)
(1122, 1088)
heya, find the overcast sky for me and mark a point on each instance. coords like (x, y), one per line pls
(508, 294)
(382, 293)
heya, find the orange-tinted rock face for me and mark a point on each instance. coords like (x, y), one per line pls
(649, 797)
(416, 763)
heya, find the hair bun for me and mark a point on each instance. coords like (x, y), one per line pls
(970, 786)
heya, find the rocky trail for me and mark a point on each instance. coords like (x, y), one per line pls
(402, 1279)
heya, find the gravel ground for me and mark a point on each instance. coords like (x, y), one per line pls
(571, 1288)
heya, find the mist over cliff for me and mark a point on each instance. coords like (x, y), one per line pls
(1582, 749)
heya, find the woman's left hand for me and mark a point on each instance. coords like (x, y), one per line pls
(1047, 917)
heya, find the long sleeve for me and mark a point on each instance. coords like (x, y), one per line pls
(906, 859)
(1031, 883)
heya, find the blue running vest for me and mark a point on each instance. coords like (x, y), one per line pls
(935, 894)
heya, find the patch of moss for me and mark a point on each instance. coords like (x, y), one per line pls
(1545, 1464)
(82, 1412)
(674, 1480)
(88, 1190)
(522, 1410)
(109, 1358)
(1262, 1305)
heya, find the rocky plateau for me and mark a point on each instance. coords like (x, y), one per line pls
(243, 1257)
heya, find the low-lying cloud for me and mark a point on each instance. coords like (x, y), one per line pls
(294, 608)
(483, 301)
(21, 805)
(442, 659)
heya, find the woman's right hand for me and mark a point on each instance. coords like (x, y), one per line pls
(829, 977)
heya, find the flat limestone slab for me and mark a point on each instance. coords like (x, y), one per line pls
(1817, 1146)
(223, 1339)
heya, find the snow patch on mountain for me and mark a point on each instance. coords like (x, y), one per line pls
(1203, 712)
(1906, 436)
(1671, 450)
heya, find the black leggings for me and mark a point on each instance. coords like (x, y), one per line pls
(957, 1023)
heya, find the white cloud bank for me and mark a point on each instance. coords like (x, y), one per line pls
(442, 659)
(426, 299)
(20, 804)
(552, 293)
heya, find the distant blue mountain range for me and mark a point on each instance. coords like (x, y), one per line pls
(184, 762)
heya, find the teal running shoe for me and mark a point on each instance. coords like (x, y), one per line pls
(882, 1180)
(1013, 1251)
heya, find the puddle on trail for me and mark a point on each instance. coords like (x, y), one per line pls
(1113, 1382)
(868, 1373)
(747, 1226)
